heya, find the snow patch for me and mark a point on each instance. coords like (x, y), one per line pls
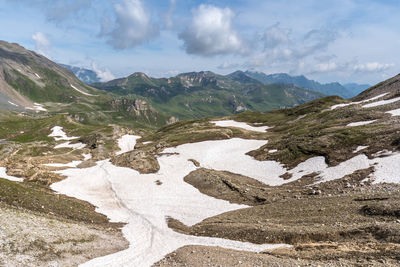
(69, 145)
(382, 102)
(59, 134)
(3, 174)
(148, 142)
(360, 123)
(87, 156)
(273, 151)
(80, 91)
(395, 112)
(358, 102)
(210, 155)
(359, 148)
(11, 103)
(37, 75)
(36, 107)
(312, 165)
(72, 164)
(243, 125)
(387, 169)
(127, 143)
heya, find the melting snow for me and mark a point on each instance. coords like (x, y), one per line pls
(358, 102)
(11, 103)
(243, 125)
(315, 164)
(127, 143)
(125, 195)
(360, 123)
(59, 134)
(37, 75)
(273, 151)
(80, 91)
(382, 102)
(37, 107)
(387, 169)
(87, 156)
(147, 142)
(69, 145)
(359, 148)
(4, 175)
(395, 112)
(72, 164)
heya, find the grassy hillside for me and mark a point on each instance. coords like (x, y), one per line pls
(202, 94)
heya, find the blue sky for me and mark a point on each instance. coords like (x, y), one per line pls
(327, 40)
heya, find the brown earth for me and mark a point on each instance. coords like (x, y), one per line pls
(343, 222)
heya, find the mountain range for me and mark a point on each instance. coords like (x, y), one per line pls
(85, 75)
(33, 82)
(346, 91)
(202, 94)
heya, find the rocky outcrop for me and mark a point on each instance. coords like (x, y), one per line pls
(202, 78)
(142, 161)
(172, 120)
(135, 107)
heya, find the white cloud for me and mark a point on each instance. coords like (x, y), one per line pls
(103, 75)
(227, 65)
(42, 44)
(372, 67)
(326, 67)
(132, 26)
(211, 33)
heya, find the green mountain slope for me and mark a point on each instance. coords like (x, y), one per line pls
(200, 94)
(32, 83)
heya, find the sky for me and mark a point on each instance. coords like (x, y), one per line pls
(326, 40)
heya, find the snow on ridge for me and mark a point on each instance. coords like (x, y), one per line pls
(394, 112)
(80, 91)
(243, 125)
(3, 174)
(357, 102)
(382, 102)
(360, 123)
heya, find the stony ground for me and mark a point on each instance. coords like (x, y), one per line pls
(33, 239)
(344, 222)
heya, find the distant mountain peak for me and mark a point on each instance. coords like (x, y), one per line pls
(333, 88)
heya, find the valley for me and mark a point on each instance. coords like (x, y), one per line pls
(197, 169)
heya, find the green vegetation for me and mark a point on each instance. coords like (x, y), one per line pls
(204, 94)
